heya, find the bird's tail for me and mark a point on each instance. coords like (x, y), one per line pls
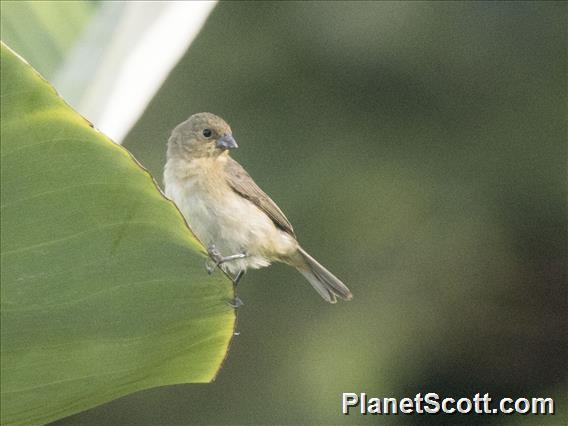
(324, 282)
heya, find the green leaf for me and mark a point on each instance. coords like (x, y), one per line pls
(104, 290)
(102, 56)
(45, 31)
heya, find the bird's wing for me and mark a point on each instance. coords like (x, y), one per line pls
(241, 182)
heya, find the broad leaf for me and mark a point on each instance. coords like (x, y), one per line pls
(104, 290)
(45, 31)
(107, 59)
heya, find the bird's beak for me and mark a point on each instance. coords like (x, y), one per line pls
(227, 142)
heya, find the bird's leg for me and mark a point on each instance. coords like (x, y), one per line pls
(231, 257)
(237, 278)
(237, 302)
(218, 258)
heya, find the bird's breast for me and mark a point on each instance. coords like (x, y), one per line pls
(232, 223)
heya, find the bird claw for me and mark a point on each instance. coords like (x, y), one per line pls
(209, 267)
(218, 258)
(215, 254)
(235, 303)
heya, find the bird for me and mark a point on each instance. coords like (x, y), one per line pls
(239, 223)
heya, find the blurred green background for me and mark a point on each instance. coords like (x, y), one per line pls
(419, 149)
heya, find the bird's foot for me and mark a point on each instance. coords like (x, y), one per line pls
(236, 303)
(209, 266)
(214, 254)
(218, 258)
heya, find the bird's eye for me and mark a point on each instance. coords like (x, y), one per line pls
(207, 133)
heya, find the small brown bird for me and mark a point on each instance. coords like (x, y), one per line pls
(241, 226)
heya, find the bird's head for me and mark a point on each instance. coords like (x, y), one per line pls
(203, 135)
